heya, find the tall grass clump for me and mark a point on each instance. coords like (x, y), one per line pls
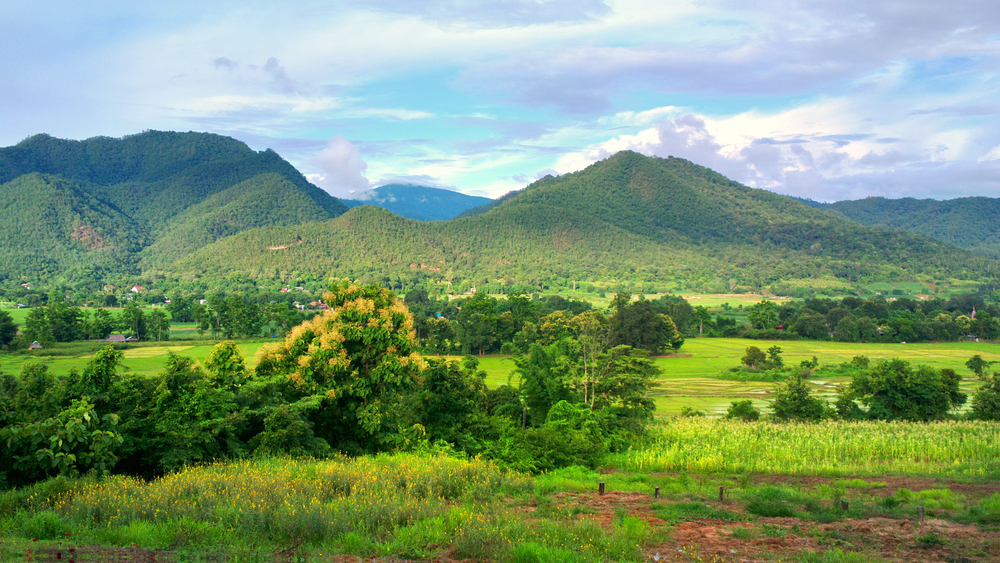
(390, 504)
(834, 448)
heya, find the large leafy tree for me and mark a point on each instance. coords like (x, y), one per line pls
(355, 360)
(893, 390)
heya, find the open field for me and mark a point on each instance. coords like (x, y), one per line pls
(688, 379)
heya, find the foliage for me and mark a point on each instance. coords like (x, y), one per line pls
(354, 360)
(892, 390)
(793, 401)
(986, 400)
(743, 410)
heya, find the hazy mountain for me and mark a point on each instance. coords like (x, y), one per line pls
(419, 202)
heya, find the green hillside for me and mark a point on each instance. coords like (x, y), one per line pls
(170, 192)
(264, 200)
(972, 223)
(419, 202)
(52, 227)
(629, 217)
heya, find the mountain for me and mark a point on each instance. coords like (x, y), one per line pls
(50, 226)
(152, 197)
(629, 218)
(972, 223)
(419, 202)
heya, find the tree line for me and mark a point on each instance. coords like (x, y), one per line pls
(348, 380)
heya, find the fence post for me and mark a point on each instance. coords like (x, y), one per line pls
(600, 488)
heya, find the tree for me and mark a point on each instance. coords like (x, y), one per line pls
(978, 365)
(892, 390)
(702, 314)
(355, 359)
(639, 326)
(743, 410)
(986, 401)
(764, 314)
(753, 357)
(7, 328)
(477, 323)
(226, 366)
(793, 401)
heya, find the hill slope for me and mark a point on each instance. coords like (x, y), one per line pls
(51, 226)
(972, 223)
(172, 192)
(419, 202)
(629, 217)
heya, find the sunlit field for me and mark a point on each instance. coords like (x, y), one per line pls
(830, 448)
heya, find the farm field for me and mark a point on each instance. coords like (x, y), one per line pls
(688, 379)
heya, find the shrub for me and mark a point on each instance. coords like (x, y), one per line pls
(743, 410)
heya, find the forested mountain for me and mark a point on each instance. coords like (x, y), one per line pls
(629, 217)
(103, 201)
(51, 226)
(419, 202)
(972, 223)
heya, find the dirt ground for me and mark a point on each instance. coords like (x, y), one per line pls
(781, 539)
(706, 540)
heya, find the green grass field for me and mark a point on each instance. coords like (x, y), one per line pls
(688, 379)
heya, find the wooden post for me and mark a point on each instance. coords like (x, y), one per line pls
(920, 514)
(843, 505)
(721, 493)
(656, 493)
(600, 488)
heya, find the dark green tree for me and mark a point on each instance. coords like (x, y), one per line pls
(793, 401)
(7, 328)
(893, 390)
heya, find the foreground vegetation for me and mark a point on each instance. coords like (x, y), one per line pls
(426, 505)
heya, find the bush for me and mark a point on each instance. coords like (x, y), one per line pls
(794, 402)
(743, 410)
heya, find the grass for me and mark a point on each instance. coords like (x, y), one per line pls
(958, 449)
(404, 505)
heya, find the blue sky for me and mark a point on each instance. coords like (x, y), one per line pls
(819, 99)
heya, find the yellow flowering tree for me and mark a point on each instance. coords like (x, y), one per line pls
(350, 365)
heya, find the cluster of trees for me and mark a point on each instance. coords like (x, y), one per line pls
(231, 316)
(874, 319)
(483, 324)
(888, 390)
(347, 380)
(60, 322)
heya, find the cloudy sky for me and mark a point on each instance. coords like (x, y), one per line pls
(820, 99)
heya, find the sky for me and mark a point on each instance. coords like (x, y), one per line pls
(816, 99)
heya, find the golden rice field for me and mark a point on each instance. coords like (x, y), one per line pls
(958, 449)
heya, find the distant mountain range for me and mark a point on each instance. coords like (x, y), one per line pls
(419, 202)
(194, 206)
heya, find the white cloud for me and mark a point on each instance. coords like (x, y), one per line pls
(342, 170)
